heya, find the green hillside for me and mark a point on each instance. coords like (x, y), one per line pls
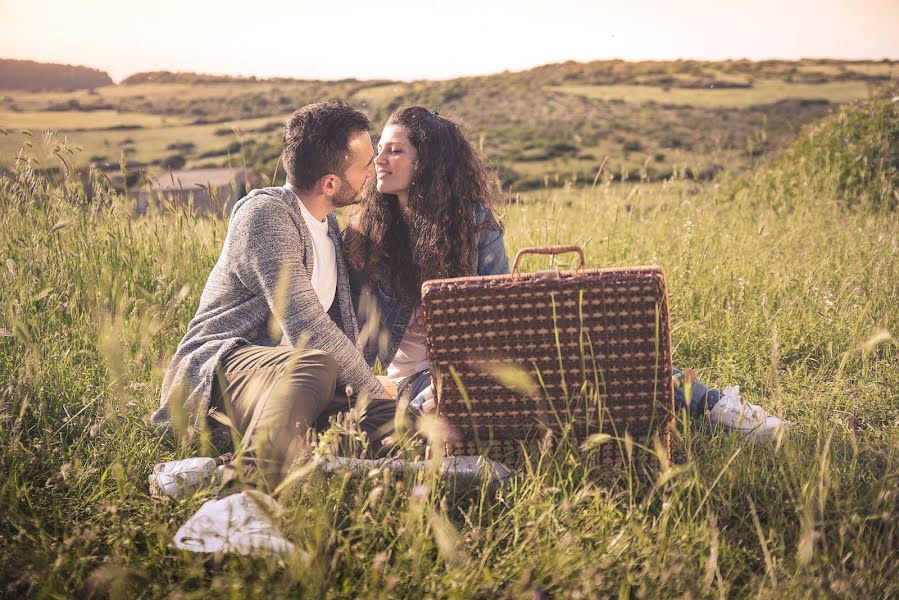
(548, 126)
(851, 158)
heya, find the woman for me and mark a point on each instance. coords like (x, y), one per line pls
(429, 217)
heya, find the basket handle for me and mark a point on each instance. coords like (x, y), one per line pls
(551, 250)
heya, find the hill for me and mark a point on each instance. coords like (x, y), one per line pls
(30, 75)
(850, 158)
(547, 126)
(204, 78)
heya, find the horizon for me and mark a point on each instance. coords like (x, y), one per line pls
(464, 76)
(427, 41)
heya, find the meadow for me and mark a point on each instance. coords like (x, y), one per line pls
(783, 280)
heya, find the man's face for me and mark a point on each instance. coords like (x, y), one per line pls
(360, 171)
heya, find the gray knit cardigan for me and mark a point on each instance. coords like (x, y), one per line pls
(267, 239)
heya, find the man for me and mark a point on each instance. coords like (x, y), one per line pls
(272, 345)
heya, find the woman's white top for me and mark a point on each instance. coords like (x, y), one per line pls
(411, 357)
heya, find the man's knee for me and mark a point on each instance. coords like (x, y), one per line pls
(321, 362)
(314, 368)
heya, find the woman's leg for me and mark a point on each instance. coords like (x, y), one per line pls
(374, 418)
(702, 398)
(724, 409)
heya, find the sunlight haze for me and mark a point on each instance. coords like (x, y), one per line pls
(433, 39)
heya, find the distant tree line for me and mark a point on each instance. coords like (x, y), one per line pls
(29, 75)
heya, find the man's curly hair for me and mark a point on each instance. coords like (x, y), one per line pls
(436, 235)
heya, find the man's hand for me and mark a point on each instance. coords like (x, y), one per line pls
(389, 388)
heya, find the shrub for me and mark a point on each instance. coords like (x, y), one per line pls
(174, 162)
(181, 146)
(561, 149)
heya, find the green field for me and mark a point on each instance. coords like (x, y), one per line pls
(762, 92)
(784, 281)
(104, 146)
(71, 120)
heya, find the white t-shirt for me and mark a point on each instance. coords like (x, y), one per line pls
(324, 258)
(412, 356)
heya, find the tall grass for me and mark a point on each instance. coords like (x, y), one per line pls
(797, 306)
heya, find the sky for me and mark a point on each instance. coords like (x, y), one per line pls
(432, 39)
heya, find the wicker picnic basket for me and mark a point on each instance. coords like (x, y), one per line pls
(577, 352)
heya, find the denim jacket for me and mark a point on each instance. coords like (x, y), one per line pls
(383, 335)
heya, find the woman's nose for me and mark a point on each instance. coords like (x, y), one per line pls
(381, 158)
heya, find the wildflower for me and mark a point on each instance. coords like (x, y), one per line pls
(419, 492)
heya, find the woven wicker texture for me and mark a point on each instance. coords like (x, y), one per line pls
(595, 342)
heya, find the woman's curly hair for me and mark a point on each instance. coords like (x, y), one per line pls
(436, 235)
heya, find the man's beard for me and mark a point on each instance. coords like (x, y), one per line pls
(347, 196)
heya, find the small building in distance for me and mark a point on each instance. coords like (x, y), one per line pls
(209, 190)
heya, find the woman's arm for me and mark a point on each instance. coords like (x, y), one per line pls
(492, 258)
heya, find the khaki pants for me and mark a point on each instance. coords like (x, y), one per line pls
(276, 397)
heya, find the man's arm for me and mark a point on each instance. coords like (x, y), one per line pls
(268, 260)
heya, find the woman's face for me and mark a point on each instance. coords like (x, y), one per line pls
(395, 162)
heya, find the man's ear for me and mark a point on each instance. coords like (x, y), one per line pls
(329, 184)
